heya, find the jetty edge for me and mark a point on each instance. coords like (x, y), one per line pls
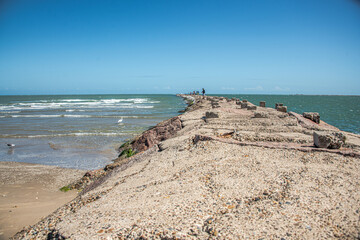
(220, 170)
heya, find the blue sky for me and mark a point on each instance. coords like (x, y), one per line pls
(168, 46)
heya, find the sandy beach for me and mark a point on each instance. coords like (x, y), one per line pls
(219, 171)
(30, 192)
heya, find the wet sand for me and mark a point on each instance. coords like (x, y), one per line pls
(29, 192)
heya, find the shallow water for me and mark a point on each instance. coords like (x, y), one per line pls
(77, 131)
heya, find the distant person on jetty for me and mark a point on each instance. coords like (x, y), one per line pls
(203, 92)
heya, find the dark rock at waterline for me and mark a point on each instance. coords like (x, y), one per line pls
(244, 104)
(160, 132)
(313, 116)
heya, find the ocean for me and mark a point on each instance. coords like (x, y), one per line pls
(77, 131)
(84, 131)
(342, 112)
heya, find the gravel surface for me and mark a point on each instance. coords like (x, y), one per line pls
(204, 188)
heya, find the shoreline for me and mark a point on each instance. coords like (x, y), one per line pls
(165, 137)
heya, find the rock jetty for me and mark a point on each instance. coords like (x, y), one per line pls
(220, 171)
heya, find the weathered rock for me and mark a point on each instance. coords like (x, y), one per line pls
(251, 107)
(332, 140)
(313, 116)
(245, 101)
(278, 104)
(215, 105)
(260, 115)
(262, 104)
(243, 104)
(161, 147)
(212, 115)
(198, 138)
(238, 102)
(160, 132)
(282, 109)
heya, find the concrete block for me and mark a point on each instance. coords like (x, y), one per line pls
(278, 104)
(252, 107)
(282, 109)
(332, 140)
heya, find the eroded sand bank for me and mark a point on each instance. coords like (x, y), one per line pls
(232, 177)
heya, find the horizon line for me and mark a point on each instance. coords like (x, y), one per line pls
(211, 94)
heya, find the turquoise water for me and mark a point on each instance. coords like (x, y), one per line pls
(77, 131)
(84, 131)
(340, 111)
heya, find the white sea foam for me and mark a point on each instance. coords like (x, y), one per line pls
(125, 104)
(71, 116)
(111, 101)
(34, 116)
(63, 135)
(76, 100)
(137, 100)
(9, 112)
(144, 106)
(56, 116)
(136, 106)
(79, 116)
(10, 108)
(79, 103)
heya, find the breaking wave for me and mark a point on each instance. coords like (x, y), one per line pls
(72, 116)
(79, 103)
(63, 135)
